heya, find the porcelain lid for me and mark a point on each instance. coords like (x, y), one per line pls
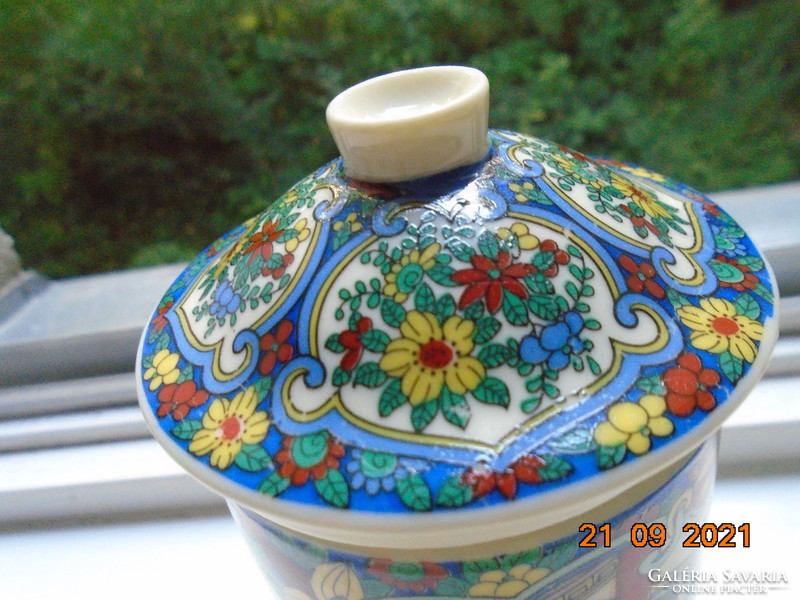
(526, 334)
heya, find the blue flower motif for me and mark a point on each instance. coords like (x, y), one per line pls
(556, 343)
(376, 471)
(225, 301)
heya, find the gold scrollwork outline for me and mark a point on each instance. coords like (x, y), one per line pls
(335, 400)
(189, 333)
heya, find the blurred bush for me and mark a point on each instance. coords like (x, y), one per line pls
(138, 131)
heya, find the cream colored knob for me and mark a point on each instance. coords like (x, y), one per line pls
(412, 124)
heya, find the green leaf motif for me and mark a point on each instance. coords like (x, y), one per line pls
(538, 283)
(677, 299)
(751, 262)
(493, 355)
(474, 310)
(558, 556)
(452, 587)
(475, 568)
(764, 292)
(514, 309)
(652, 385)
(424, 299)
(461, 250)
(746, 305)
(332, 343)
(555, 468)
(445, 307)
(455, 408)
(333, 489)
(375, 340)
(370, 375)
(529, 405)
(414, 493)
(391, 398)
(572, 290)
(274, 484)
(489, 245)
(577, 441)
(392, 313)
(253, 458)
(485, 329)
(492, 391)
(610, 456)
(509, 561)
(375, 589)
(453, 493)
(185, 430)
(423, 414)
(731, 366)
(340, 377)
(441, 273)
(543, 306)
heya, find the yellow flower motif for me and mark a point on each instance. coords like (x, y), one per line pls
(406, 274)
(718, 327)
(502, 584)
(522, 193)
(164, 369)
(525, 239)
(227, 426)
(350, 221)
(578, 172)
(302, 233)
(632, 424)
(642, 172)
(336, 580)
(645, 200)
(430, 355)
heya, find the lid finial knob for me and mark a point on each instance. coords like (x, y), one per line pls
(411, 124)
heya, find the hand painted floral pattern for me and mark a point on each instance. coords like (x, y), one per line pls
(631, 424)
(507, 584)
(163, 369)
(717, 326)
(227, 426)
(178, 399)
(430, 356)
(437, 315)
(401, 576)
(275, 348)
(689, 386)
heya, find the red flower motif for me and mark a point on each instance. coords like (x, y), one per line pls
(709, 206)
(278, 272)
(639, 221)
(160, 321)
(351, 339)
(275, 348)
(748, 281)
(416, 577)
(484, 481)
(261, 242)
(488, 278)
(575, 154)
(559, 257)
(687, 386)
(179, 399)
(641, 277)
(298, 475)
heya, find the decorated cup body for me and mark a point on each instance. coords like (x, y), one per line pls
(616, 551)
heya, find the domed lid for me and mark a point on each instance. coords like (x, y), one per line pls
(506, 334)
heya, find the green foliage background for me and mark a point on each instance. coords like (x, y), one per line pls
(137, 131)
